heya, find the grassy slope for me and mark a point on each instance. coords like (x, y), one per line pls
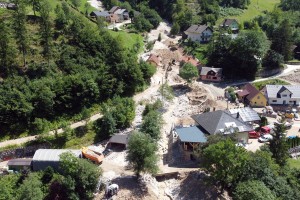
(128, 40)
(255, 8)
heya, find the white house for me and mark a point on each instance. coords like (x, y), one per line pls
(282, 94)
(199, 33)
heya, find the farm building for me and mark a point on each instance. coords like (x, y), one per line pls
(19, 164)
(50, 157)
(120, 140)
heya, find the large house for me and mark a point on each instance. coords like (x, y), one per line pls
(110, 18)
(211, 74)
(222, 122)
(230, 24)
(252, 96)
(283, 94)
(199, 33)
(120, 12)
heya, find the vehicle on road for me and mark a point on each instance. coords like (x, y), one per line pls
(265, 138)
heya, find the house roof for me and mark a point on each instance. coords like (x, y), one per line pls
(191, 60)
(20, 162)
(154, 58)
(114, 9)
(218, 121)
(205, 70)
(252, 91)
(197, 28)
(101, 13)
(53, 154)
(242, 93)
(246, 114)
(228, 22)
(190, 134)
(119, 139)
(272, 90)
(120, 11)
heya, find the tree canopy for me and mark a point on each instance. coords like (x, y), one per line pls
(142, 153)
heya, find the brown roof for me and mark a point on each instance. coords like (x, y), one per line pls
(154, 58)
(242, 93)
(190, 59)
(252, 91)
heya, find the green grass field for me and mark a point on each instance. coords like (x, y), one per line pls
(128, 40)
(261, 84)
(255, 9)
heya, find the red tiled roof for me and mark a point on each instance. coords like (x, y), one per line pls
(191, 60)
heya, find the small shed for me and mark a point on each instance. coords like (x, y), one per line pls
(19, 164)
(190, 137)
(50, 157)
(119, 139)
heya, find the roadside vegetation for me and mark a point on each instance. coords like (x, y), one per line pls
(261, 84)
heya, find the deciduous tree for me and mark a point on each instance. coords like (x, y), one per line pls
(188, 72)
(142, 153)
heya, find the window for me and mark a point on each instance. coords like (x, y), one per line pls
(258, 97)
(274, 100)
(284, 95)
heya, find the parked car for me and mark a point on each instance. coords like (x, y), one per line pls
(265, 138)
(254, 134)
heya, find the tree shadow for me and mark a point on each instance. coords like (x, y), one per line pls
(181, 89)
(196, 186)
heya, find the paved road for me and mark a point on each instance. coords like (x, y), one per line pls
(23, 140)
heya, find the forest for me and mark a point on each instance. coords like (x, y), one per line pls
(56, 63)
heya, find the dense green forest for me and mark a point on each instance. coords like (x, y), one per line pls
(56, 63)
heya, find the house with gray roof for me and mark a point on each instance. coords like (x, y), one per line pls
(50, 157)
(231, 24)
(211, 74)
(283, 94)
(245, 114)
(122, 14)
(199, 33)
(222, 122)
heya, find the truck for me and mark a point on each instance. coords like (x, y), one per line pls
(92, 155)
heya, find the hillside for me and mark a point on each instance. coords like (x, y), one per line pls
(253, 10)
(63, 64)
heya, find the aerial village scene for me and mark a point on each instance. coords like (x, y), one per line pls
(149, 99)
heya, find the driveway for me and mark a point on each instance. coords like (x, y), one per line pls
(118, 25)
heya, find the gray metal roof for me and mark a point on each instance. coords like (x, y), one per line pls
(219, 121)
(53, 154)
(20, 162)
(119, 139)
(120, 11)
(190, 134)
(205, 70)
(272, 90)
(246, 114)
(101, 13)
(197, 28)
